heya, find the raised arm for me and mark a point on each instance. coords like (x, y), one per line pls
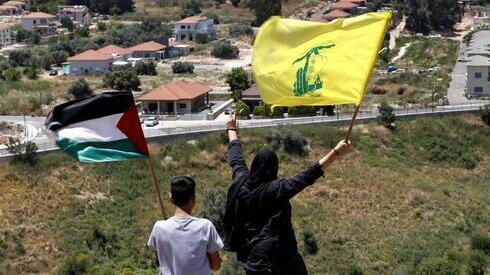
(235, 153)
(288, 188)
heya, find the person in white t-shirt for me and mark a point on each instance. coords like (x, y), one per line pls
(185, 245)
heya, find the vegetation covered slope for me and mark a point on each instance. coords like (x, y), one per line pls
(411, 201)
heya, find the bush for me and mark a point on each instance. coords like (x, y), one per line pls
(213, 16)
(225, 51)
(75, 264)
(80, 89)
(355, 269)
(145, 68)
(190, 8)
(302, 111)
(439, 266)
(23, 151)
(32, 72)
(213, 206)
(260, 110)
(19, 58)
(477, 263)
(180, 67)
(386, 116)
(481, 242)
(278, 112)
(122, 79)
(238, 80)
(485, 114)
(238, 29)
(66, 22)
(101, 26)
(202, 38)
(242, 109)
(310, 242)
(292, 142)
(12, 74)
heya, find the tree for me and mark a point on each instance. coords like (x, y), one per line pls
(213, 206)
(80, 89)
(12, 74)
(145, 68)
(122, 79)
(66, 22)
(202, 38)
(106, 6)
(427, 15)
(24, 151)
(386, 116)
(32, 72)
(22, 35)
(238, 80)
(182, 67)
(264, 9)
(101, 26)
(35, 38)
(82, 32)
(190, 8)
(310, 241)
(19, 58)
(225, 51)
(238, 29)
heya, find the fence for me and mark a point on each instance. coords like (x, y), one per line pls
(365, 115)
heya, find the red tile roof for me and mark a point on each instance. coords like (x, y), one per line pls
(7, 7)
(177, 90)
(150, 46)
(110, 49)
(252, 92)
(36, 15)
(344, 6)
(358, 2)
(190, 20)
(336, 14)
(90, 55)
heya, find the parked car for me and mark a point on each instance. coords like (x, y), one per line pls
(151, 121)
(391, 69)
(53, 72)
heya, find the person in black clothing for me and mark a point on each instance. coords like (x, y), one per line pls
(257, 219)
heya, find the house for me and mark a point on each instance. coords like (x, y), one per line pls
(360, 3)
(251, 96)
(188, 28)
(345, 6)
(5, 34)
(39, 21)
(20, 5)
(80, 15)
(90, 62)
(335, 14)
(148, 50)
(7, 10)
(116, 51)
(178, 97)
(478, 66)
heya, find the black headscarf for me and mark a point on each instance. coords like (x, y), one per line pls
(264, 168)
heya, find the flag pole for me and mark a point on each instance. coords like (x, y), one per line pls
(155, 185)
(351, 126)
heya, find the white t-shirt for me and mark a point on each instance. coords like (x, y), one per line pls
(183, 244)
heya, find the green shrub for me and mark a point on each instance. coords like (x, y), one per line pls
(260, 110)
(355, 269)
(437, 266)
(101, 26)
(238, 29)
(277, 112)
(242, 109)
(202, 38)
(75, 265)
(145, 68)
(477, 262)
(292, 142)
(310, 242)
(180, 67)
(485, 114)
(302, 111)
(12, 74)
(80, 89)
(213, 206)
(122, 79)
(225, 51)
(23, 151)
(386, 116)
(481, 242)
(238, 80)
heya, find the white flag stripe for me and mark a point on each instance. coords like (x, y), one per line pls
(99, 129)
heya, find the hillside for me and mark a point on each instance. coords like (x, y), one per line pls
(413, 200)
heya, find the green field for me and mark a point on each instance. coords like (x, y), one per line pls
(412, 201)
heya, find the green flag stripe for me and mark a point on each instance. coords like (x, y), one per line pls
(117, 150)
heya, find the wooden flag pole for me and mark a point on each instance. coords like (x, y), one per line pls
(351, 126)
(157, 189)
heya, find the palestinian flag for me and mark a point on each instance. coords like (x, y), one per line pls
(100, 128)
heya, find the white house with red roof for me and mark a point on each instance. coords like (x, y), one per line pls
(178, 97)
(148, 50)
(40, 21)
(188, 28)
(90, 62)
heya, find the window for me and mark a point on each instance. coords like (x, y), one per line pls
(33, 21)
(182, 27)
(182, 106)
(477, 75)
(478, 90)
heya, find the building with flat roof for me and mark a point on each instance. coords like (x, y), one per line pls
(188, 28)
(79, 14)
(478, 66)
(178, 97)
(39, 21)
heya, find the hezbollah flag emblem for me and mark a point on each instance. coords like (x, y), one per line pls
(298, 62)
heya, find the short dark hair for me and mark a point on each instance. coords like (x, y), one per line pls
(183, 190)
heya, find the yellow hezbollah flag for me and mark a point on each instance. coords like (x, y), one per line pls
(298, 62)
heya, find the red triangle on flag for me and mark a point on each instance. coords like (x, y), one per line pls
(130, 125)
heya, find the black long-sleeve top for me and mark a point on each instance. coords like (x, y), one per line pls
(263, 212)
